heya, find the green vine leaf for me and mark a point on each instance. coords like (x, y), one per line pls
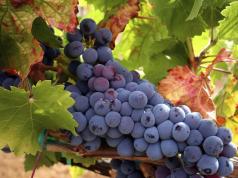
(228, 26)
(79, 159)
(22, 50)
(24, 115)
(174, 14)
(48, 159)
(41, 31)
(195, 10)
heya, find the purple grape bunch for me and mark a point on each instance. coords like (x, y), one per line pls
(116, 107)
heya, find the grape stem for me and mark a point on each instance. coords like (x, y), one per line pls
(212, 42)
(106, 152)
(191, 54)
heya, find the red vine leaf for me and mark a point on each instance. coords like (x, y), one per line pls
(117, 22)
(223, 56)
(182, 86)
(60, 14)
(18, 48)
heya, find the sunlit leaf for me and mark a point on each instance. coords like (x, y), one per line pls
(182, 86)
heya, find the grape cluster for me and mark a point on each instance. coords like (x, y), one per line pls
(7, 80)
(126, 169)
(116, 107)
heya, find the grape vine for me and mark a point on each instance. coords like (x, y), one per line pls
(152, 86)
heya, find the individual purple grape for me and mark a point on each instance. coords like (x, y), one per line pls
(93, 145)
(74, 36)
(81, 120)
(172, 163)
(138, 99)
(156, 99)
(113, 142)
(114, 133)
(95, 97)
(7, 83)
(165, 129)
(136, 114)
(104, 54)
(117, 66)
(84, 71)
(116, 105)
(113, 119)
(138, 130)
(178, 173)
(181, 146)
(73, 65)
(128, 76)
(190, 170)
(224, 134)
(108, 72)
(82, 103)
(74, 95)
(91, 83)
(161, 113)
(87, 135)
(180, 132)
(73, 88)
(195, 138)
(73, 49)
(176, 115)
(226, 166)
(169, 148)
(207, 128)
(186, 163)
(131, 86)
(118, 81)
(192, 154)
(125, 147)
(101, 84)
(97, 70)
(90, 56)
(229, 150)
(148, 118)
(147, 88)
(90, 113)
(193, 120)
(151, 135)
(102, 107)
(76, 140)
(82, 86)
(213, 145)
(162, 172)
(97, 125)
(123, 95)
(140, 144)
(207, 165)
(185, 108)
(110, 94)
(127, 167)
(153, 151)
(136, 76)
(126, 125)
(88, 26)
(103, 36)
(126, 109)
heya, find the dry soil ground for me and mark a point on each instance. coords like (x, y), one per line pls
(12, 167)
